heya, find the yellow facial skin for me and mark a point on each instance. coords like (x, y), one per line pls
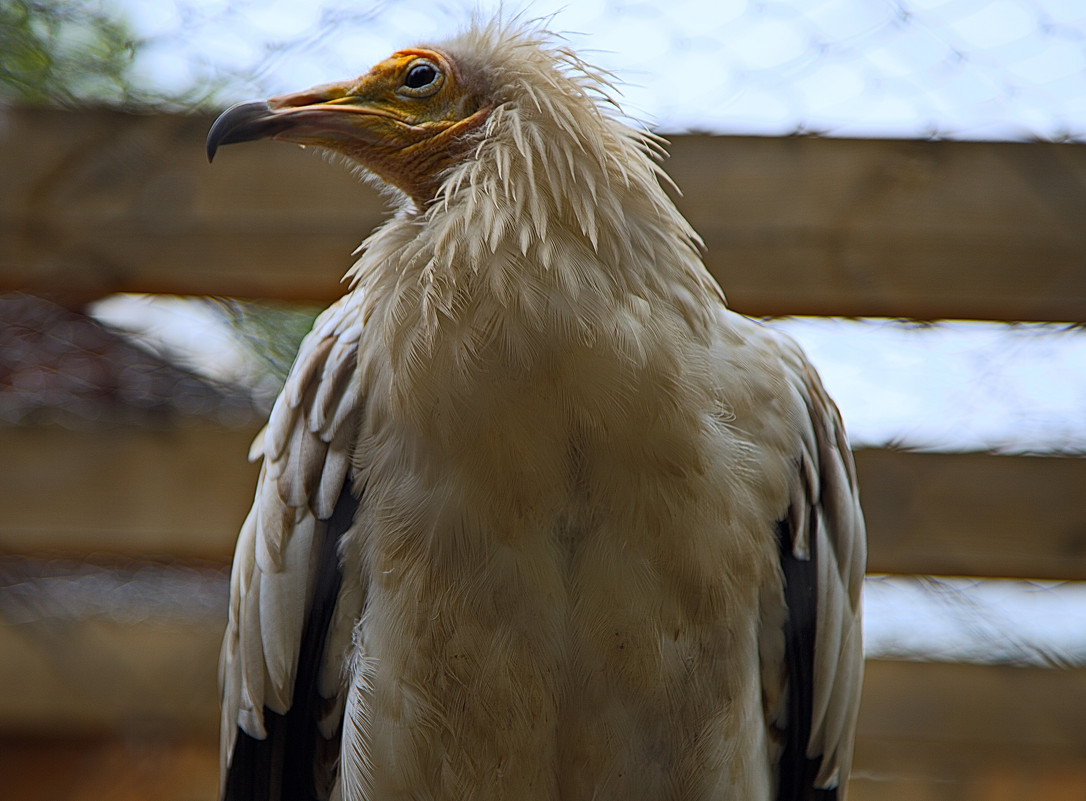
(405, 120)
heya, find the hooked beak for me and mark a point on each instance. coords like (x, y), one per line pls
(242, 122)
(407, 140)
(323, 116)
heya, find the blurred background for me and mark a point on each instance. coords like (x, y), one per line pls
(900, 185)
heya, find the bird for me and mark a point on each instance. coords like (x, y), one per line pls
(538, 516)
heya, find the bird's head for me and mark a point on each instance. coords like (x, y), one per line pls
(407, 120)
(503, 123)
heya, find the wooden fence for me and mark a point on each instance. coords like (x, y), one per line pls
(95, 202)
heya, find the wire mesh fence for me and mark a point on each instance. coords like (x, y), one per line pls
(1003, 69)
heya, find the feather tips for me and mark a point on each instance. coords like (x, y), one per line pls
(306, 449)
(827, 526)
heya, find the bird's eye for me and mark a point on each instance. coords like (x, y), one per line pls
(422, 79)
(420, 75)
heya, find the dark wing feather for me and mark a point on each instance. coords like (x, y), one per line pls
(796, 771)
(288, 630)
(292, 762)
(823, 553)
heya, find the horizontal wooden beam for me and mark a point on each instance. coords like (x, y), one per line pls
(932, 731)
(993, 706)
(926, 730)
(98, 202)
(136, 764)
(168, 766)
(78, 675)
(180, 492)
(934, 771)
(974, 514)
(929, 230)
(184, 492)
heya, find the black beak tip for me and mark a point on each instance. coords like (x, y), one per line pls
(239, 123)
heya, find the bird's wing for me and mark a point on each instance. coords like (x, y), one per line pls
(290, 617)
(823, 555)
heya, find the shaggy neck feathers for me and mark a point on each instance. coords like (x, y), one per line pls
(556, 218)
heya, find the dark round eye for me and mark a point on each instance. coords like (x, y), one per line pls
(420, 75)
(423, 78)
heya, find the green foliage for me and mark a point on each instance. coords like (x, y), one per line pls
(271, 332)
(63, 53)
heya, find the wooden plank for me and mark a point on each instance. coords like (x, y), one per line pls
(184, 492)
(166, 767)
(140, 661)
(86, 664)
(984, 706)
(932, 731)
(924, 727)
(181, 491)
(96, 674)
(98, 202)
(139, 765)
(890, 228)
(974, 514)
(935, 771)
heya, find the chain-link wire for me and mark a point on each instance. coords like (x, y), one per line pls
(1004, 69)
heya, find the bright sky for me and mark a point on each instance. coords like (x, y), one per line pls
(959, 68)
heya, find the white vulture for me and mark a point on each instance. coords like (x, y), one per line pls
(538, 516)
